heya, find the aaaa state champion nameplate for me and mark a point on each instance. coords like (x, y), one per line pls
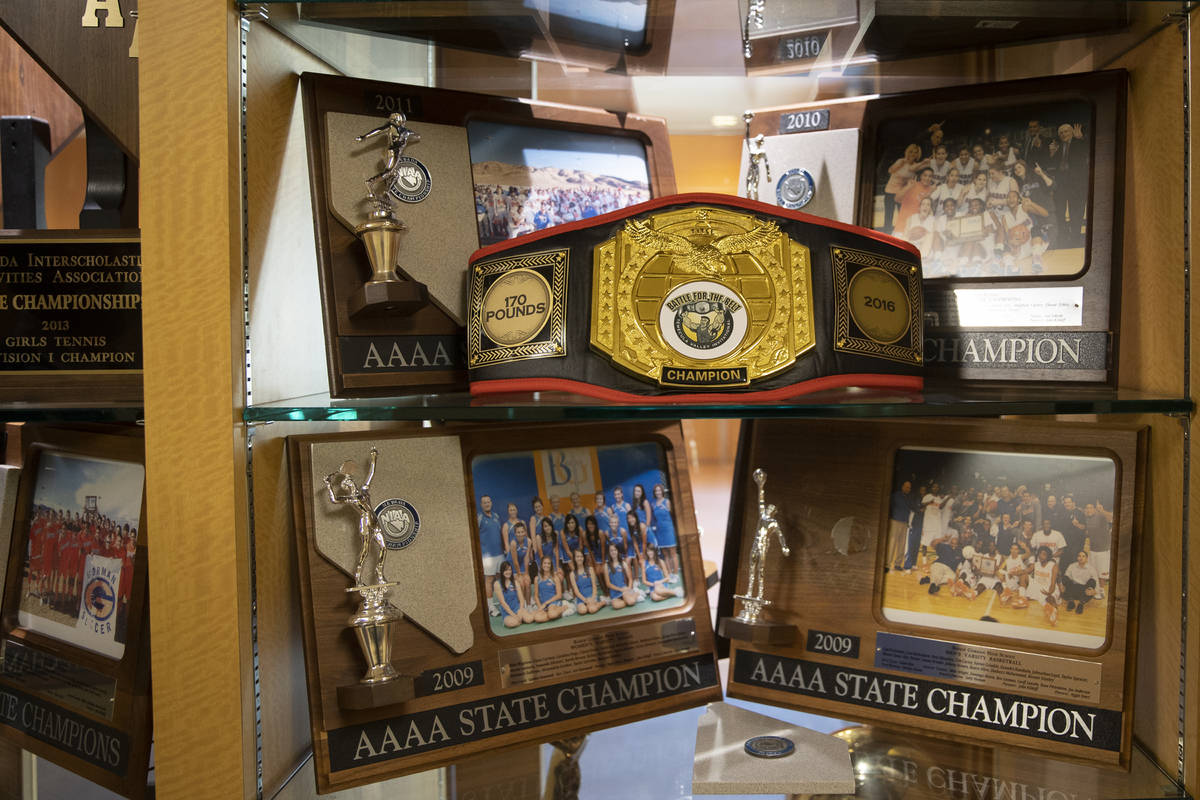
(702, 297)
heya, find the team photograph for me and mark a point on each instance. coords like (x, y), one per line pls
(1010, 545)
(575, 535)
(988, 194)
(528, 179)
(80, 554)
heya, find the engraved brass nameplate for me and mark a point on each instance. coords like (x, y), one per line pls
(581, 654)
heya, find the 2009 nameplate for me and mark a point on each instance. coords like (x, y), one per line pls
(409, 734)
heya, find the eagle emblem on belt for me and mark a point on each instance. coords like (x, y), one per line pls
(701, 258)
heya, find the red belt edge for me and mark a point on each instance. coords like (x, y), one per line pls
(865, 380)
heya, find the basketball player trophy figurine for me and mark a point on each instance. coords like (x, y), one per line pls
(749, 625)
(758, 161)
(376, 616)
(404, 178)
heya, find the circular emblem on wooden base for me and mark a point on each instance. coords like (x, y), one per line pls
(412, 182)
(795, 189)
(770, 746)
(399, 521)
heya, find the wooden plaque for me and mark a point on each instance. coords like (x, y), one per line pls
(813, 145)
(487, 675)
(489, 179)
(906, 612)
(71, 308)
(75, 669)
(1038, 298)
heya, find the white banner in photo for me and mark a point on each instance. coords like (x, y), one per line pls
(565, 471)
(97, 622)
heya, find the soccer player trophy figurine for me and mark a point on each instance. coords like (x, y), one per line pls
(376, 616)
(748, 625)
(403, 178)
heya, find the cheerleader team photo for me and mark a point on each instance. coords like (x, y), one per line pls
(575, 535)
(1011, 545)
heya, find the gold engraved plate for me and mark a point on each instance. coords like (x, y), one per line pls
(878, 305)
(702, 297)
(518, 308)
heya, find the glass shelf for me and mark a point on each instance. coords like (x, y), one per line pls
(887, 765)
(549, 406)
(71, 412)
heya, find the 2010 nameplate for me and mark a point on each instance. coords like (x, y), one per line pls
(382, 740)
(1023, 716)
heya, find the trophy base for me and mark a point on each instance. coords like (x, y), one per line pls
(361, 696)
(760, 632)
(387, 298)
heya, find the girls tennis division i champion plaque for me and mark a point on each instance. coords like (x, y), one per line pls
(540, 582)
(974, 580)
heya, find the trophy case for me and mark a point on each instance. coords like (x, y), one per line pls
(234, 363)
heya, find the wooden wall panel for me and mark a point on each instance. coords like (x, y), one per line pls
(1191, 749)
(195, 442)
(1152, 359)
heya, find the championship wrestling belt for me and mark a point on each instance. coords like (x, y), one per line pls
(695, 297)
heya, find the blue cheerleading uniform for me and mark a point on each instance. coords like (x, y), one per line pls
(583, 582)
(597, 549)
(510, 598)
(546, 590)
(521, 550)
(616, 580)
(535, 523)
(664, 525)
(653, 573)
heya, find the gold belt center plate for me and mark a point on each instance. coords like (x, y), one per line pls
(702, 297)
